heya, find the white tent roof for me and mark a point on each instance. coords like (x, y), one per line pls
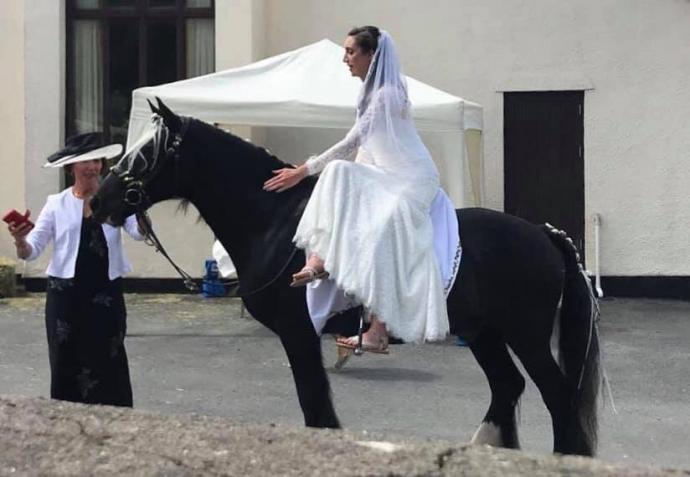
(310, 87)
(307, 87)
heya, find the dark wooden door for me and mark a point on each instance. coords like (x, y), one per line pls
(543, 159)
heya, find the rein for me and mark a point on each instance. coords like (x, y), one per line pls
(271, 281)
(136, 197)
(151, 239)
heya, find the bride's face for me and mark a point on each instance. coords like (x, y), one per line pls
(356, 59)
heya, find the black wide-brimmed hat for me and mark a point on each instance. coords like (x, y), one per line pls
(83, 147)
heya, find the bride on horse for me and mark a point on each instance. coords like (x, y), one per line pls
(367, 225)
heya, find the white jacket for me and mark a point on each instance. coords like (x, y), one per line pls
(60, 221)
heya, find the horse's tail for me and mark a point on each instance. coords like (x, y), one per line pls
(579, 342)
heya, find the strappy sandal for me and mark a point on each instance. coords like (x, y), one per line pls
(380, 348)
(314, 275)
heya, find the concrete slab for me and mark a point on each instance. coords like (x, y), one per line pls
(190, 354)
(41, 437)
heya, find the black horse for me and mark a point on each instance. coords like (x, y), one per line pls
(511, 279)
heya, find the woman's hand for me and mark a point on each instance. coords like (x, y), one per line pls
(19, 233)
(283, 179)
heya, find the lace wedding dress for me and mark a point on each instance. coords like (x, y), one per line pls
(368, 217)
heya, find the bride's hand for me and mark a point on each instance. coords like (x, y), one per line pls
(283, 179)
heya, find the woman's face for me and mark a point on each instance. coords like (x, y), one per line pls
(87, 172)
(355, 59)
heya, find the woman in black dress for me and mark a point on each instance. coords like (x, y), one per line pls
(86, 319)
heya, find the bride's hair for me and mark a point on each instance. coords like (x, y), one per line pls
(366, 37)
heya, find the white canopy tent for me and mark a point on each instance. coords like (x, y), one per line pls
(310, 87)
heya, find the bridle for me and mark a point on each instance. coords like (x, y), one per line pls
(134, 184)
(135, 194)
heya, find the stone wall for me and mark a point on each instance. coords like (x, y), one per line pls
(42, 437)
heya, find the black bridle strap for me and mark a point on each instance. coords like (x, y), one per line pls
(151, 239)
(136, 189)
(136, 197)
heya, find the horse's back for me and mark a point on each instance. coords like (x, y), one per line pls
(507, 264)
(493, 236)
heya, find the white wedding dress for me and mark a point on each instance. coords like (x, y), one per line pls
(368, 217)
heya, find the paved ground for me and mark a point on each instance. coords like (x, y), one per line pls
(189, 354)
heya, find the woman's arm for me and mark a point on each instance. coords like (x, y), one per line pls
(284, 179)
(345, 150)
(32, 245)
(384, 103)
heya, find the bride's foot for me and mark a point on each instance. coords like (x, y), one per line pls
(313, 270)
(373, 341)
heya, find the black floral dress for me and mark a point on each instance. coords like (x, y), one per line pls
(86, 322)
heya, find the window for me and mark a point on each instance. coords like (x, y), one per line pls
(115, 46)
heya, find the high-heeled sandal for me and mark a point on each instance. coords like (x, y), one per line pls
(314, 275)
(381, 347)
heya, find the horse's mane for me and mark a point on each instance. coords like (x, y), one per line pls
(223, 144)
(257, 154)
(263, 222)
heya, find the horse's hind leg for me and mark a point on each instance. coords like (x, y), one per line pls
(559, 396)
(499, 426)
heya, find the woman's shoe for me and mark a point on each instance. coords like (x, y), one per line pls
(312, 275)
(351, 343)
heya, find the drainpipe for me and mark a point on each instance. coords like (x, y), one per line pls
(597, 275)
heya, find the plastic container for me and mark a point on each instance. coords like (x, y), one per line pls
(211, 286)
(211, 270)
(212, 289)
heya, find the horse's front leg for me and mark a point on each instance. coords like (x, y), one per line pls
(303, 348)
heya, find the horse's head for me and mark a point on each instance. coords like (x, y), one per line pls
(146, 174)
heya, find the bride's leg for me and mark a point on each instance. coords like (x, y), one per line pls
(377, 333)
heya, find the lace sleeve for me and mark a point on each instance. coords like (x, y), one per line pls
(346, 150)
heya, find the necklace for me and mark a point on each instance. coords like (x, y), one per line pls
(79, 195)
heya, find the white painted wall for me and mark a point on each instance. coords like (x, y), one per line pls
(33, 44)
(240, 34)
(632, 57)
(11, 116)
(39, 56)
(44, 89)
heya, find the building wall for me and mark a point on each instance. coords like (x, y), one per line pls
(11, 116)
(239, 40)
(35, 110)
(629, 55)
(44, 89)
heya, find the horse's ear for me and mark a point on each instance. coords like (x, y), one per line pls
(169, 118)
(153, 108)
